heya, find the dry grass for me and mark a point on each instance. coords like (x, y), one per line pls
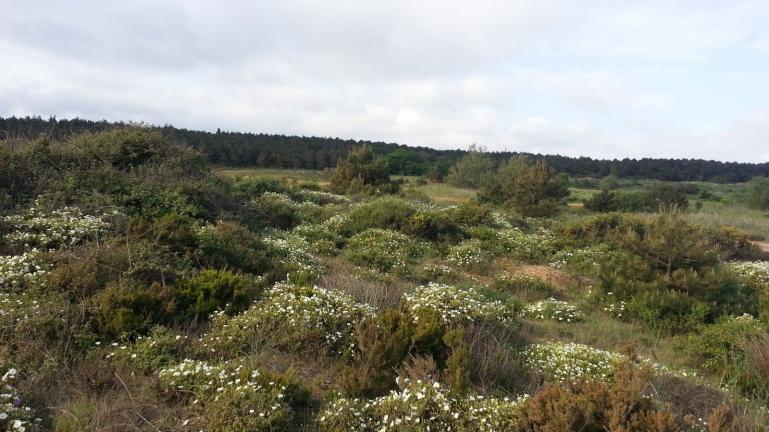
(380, 295)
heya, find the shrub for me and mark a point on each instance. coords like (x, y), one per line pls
(720, 349)
(231, 397)
(555, 310)
(384, 250)
(14, 414)
(124, 307)
(229, 245)
(162, 347)
(421, 405)
(212, 290)
(291, 317)
(455, 306)
(758, 193)
(532, 189)
(362, 170)
(39, 228)
(468, 255)
(663, 196)
(277, 211)
(472, 170)
(604, 202)
(19, 272)
(386, 213)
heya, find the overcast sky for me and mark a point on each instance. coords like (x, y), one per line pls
(668, 78)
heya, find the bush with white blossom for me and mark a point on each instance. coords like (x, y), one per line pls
(18, 272)
(456, 306)
(38, 227)
(291, 316)
(15, 415)
(384, 250)
(468, 255)
(229, 397)
(424, 406)
(552, 309)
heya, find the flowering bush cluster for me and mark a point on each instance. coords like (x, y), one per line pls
(569, 362)
(298, 256)
(323, 198)
(424, 406)
(586, 260)
(526, 246)
(555, 310)
(14, 415)
(468, 254)
(384, 250)
(456, 305)
(37, 227)
(315, 238)
(292, 316)
(230, 397)
(612, 305)
(755, 273)
(150, 353)
(21, 271)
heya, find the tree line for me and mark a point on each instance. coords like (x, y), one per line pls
(285, 151)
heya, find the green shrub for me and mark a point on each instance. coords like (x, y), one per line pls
(716, 348)
(229, 245)
(277, 211)
(384, 250)
(604, 202)
(212, 290)
(386, 213)
(362, 171)
(524, 286)
(469, 255)
(162, 347)
(125, 307)
(758, 193)
(290, 317)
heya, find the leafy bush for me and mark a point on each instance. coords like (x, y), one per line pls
(455, 305)
(604, 202)
(19, 272)
(720, 349)
(39, 228)
(125, 307)
(229, 245)
(14, 415)
(289, 317)
(231, 397)
(212, 290)
(386, 213)
(162, 347)
(523, 286)
(473, 170)
(532, 189)
(421, 405)
(469, 255)
(277, 210)
(758, 193)
(555, 310)
(384, 250)
(362, 171)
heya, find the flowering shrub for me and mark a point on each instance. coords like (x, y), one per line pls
(230, 397)
(555, 310)
(569, 362)
(14, 416)
(754, 273)
(315, 238)
(149, 353)
(36, 227)
(421, 405)
(384, 250)
(566, 362)
(456, 305)
(527, 246)
(297, 256)
(468, 254)
(586, 260)
(292, 316)
(323, 198)
(21, 271)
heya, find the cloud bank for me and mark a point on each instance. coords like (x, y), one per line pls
(679, 78)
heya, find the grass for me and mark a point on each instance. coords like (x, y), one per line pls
(754, 222)
(276, 173)
(446, 193)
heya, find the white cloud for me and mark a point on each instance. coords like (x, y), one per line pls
(598, 78)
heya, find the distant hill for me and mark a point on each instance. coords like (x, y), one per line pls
(282, 151)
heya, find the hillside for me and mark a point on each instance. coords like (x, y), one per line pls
(140, 289)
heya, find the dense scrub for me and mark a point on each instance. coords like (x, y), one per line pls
(138, 291)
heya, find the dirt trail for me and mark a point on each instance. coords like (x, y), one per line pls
(764, 246)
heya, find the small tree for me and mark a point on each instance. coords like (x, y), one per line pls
(530, 188)
(472, 170)
(758, 193)
(360, 171)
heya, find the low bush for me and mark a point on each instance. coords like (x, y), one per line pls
(162, 347)
(212, 290)
(555, 310)
(384, 250)
(524, 286)
(290, 317)
(457, 306)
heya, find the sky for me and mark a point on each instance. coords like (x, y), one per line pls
(606, 79)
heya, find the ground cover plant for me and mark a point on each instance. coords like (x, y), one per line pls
(142, 290)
